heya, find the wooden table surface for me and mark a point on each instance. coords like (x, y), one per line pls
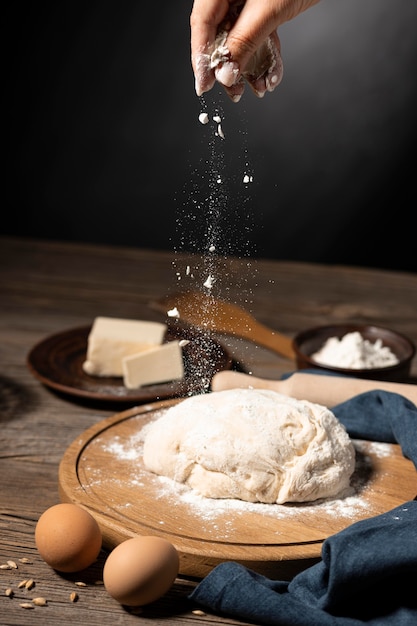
(48, 287)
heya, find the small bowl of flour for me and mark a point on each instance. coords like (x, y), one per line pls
(362, 351)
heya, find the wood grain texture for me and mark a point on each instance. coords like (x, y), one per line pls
(103, 471)
(47, 287)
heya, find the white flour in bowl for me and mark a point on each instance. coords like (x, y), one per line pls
(355, 352)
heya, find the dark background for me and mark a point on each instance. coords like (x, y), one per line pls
(105, 144)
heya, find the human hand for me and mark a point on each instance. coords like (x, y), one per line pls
(233, 41)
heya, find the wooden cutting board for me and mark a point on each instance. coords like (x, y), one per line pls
(103, 471)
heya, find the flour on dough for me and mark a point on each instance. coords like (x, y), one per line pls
(251, 444)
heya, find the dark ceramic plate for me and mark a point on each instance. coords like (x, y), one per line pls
(57, 363)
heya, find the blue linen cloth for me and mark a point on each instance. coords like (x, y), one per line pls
(367, 573)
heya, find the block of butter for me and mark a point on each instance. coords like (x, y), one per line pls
(157, 365)
(111, 339)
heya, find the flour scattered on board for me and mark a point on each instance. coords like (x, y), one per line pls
(125, 458)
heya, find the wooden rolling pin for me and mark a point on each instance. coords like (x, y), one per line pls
(321, 389)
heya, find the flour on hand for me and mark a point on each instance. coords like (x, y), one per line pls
(254, 445)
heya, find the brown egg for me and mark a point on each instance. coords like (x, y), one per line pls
(68, 538)
(140, 570)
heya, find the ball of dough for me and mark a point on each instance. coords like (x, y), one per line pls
(251, 444)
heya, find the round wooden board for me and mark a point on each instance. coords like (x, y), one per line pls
(103, 471)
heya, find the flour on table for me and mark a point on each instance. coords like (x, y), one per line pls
(254, 445)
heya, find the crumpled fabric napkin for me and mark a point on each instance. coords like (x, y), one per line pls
(367, 573)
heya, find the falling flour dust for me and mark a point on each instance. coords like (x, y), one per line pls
(214, 220)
